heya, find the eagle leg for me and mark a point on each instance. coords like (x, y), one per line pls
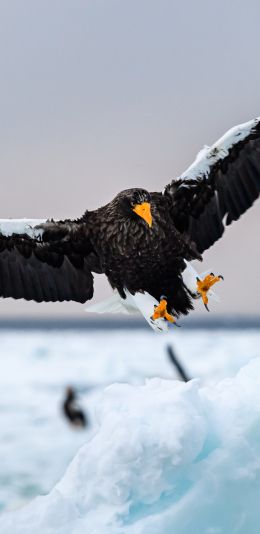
(160, 311)
(203, 286)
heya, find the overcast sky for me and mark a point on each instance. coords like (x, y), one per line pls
(98, 96)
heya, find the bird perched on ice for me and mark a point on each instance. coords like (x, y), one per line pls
(142, 241)
(72, 412)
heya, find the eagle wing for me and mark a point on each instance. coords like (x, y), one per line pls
(221, 184)
(46, 261)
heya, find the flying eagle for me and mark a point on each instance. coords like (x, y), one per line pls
(142, 241)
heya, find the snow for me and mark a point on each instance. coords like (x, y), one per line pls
(161, 456)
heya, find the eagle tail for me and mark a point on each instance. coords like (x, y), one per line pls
(142, 303)
(112, 304)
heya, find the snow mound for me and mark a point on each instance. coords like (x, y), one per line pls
(167, 458)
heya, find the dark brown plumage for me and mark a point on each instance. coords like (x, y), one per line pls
(54, 261)
(139, 258)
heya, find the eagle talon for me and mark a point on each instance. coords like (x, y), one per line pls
(203, 286)
(160, 311)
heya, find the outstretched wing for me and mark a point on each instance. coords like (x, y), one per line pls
(46, 260)
(221, 184)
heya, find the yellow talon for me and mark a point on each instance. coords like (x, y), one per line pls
(160, 312)
(204, 285)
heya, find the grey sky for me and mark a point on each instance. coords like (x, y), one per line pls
(97, 96)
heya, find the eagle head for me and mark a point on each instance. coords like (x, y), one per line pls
(136, 203)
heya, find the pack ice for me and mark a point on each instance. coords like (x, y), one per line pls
(167, 458)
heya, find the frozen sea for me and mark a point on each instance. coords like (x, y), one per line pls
(36, 443)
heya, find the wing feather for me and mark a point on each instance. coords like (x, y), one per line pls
(46, 260)
(221, 184)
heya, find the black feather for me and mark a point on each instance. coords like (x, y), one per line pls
(57, 264)
(232, 185)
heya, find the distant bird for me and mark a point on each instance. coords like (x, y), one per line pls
(71, 411)
(143, 242)
(177, 364)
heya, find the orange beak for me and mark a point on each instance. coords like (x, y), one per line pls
(144, 211)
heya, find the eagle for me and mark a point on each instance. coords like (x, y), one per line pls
(142, 241)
